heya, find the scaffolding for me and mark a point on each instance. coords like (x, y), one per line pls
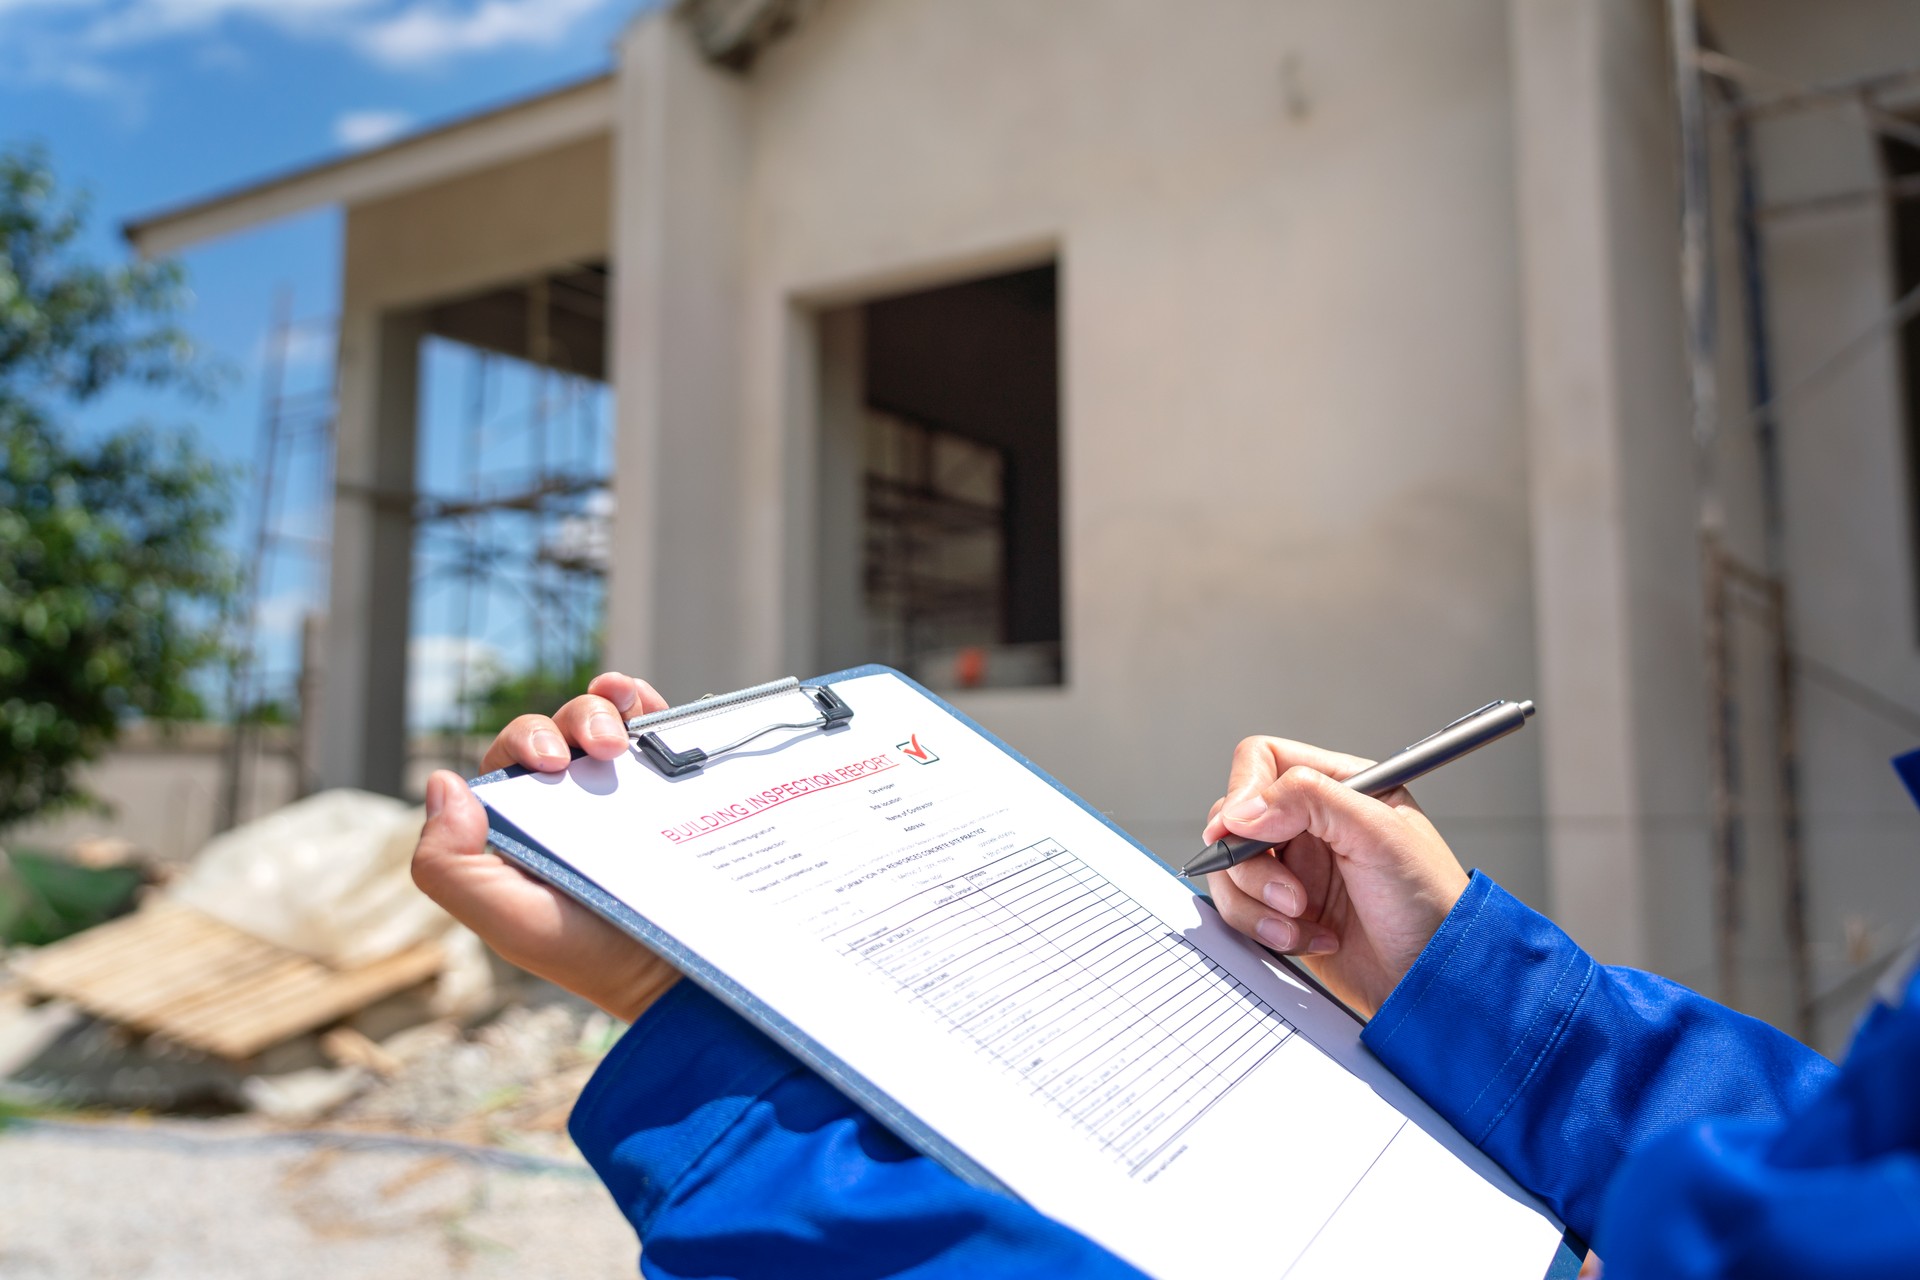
(1721, 98)
(287, 548)
(510, 512)
(935, 541)
(513, 522)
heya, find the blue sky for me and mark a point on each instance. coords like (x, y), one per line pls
(150, 103)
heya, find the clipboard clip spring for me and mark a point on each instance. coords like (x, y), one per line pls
(834, 712)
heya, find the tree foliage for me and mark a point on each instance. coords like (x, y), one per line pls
(502, 696)
(69, 328)
(112, 572)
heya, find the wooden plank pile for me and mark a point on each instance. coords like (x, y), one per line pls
(172, 971)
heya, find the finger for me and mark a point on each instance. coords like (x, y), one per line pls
(456, 828)
(533, 741)
(1259, 761)
(1402, 799)
(1267, 927)
(1234, 905)
(1305, 800)
(1268, 880)
(630, 697)
(595, 724)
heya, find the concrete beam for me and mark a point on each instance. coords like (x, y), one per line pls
(475, 142)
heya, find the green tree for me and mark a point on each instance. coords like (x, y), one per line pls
(502, 696)
(113, 577)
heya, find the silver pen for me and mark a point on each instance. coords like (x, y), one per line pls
(1469, 733)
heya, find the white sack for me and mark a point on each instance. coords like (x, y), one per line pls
(326, 876)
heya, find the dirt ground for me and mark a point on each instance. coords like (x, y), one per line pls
(221, 1199)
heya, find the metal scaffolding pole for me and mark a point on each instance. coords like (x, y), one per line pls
(1699, 295)
(295, 427)
(241, 691)
(1773, 587)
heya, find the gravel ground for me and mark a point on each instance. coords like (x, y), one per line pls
(220, 1199)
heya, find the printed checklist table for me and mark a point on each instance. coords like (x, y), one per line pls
(1043, 965)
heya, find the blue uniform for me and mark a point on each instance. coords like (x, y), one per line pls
(1683, 1139)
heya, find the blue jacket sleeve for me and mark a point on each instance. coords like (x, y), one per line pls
(1832, 1191)
(1558, 1067)
(731, 1159)
(1682, 1138)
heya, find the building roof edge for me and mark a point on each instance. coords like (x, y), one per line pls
(539, 121)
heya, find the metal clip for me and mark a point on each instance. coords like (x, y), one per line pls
(834, 712)
(1462, 720)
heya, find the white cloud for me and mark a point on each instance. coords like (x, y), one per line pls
(37, 48)
(73, 71)
(277, 618)
(433, 677)
(8, 6)
(61, 41)
(585, 539)
(309, 347)
(357, 130)
(432, 31)
(137, 21)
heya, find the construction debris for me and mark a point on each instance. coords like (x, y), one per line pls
(293, 970)
(351, 1047)
(515, 1077)
(301, 1097)
(173, 971)
(64, 1060)
(282, 926)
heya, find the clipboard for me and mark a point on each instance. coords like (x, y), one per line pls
(673, 746)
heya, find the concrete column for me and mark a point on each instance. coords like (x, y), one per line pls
(676, 609)
(1616, 578)
(364, 705)
(838, 499)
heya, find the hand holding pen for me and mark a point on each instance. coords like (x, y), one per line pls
(1359, 884)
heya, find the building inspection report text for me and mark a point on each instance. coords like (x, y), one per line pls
(1035, 989)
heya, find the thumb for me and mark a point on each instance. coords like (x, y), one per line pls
(1306, 800)
(456, 828)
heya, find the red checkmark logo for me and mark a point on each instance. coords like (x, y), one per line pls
(914, 751)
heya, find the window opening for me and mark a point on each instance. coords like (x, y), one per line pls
(957, 442)
(935, 552)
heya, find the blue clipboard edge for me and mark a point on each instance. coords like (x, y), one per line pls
(517, 847)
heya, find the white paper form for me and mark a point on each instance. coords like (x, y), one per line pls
(1032, 987)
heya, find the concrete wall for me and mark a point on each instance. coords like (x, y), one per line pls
(164, 788)
(164, 791)
(1294, 456)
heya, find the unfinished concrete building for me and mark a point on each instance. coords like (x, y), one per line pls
(1154, 374)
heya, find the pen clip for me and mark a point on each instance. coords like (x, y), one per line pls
(1480, 711)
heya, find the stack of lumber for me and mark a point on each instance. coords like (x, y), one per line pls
(172, 971)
